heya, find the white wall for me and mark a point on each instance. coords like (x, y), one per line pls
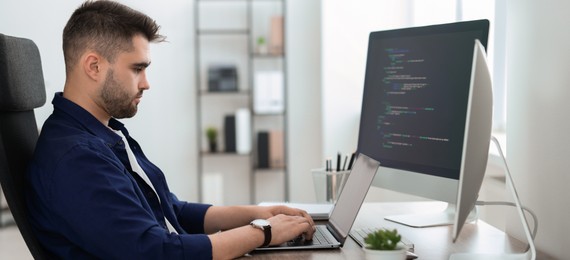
(303, 46)
(346, 27)
(165, 123)
(538, 140)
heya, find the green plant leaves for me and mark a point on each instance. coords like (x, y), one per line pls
(383, 239)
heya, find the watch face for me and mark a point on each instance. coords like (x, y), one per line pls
(261, 222)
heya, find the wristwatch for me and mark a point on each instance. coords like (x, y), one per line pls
(266, 227)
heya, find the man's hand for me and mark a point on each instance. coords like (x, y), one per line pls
(239, 237)
(301, 217)
(288, 227)
(266, 212)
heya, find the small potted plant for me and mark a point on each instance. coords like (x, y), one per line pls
(384, 244)
(261, 45)
(212, 135)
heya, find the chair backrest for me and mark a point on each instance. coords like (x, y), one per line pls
(21, 91)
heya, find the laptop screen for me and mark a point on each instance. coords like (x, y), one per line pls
(352, 195)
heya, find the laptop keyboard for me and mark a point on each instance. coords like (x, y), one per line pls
(318, 238)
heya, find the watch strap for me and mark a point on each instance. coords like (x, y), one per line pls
(267, 232)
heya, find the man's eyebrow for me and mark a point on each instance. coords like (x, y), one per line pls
(141, 64)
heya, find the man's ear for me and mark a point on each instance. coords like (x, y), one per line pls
(93, 66)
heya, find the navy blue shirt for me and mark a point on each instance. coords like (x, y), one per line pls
(85, 201)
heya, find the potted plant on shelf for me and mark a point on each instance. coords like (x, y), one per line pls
(212, 135)
(261, 45)
(384, 244)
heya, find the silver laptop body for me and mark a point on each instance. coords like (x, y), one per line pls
(345, 210)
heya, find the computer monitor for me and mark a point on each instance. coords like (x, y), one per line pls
(427, 115)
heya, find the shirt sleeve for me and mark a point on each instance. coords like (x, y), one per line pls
(96, 205)
(191, 216)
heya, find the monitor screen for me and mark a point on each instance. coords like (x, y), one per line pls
(415, 96)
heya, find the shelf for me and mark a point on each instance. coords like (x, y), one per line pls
(268, 56)
(232, 40)
(269, 115)
(270, 170)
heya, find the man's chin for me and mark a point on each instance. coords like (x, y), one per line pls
(128, 114)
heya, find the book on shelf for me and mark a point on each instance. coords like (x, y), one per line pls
(276, 149)
(230, 133)
(270, 149)
(268, 92)
(243, 131)
(237, 132)
(276, 35)
(263, 150)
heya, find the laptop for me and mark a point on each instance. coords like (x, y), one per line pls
(335, 232)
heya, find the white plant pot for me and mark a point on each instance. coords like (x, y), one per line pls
(398, 254)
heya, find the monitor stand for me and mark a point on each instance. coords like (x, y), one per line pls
(530, 253)
(442, 218)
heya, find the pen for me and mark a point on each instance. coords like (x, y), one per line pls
(351, 161)
(344, 164)
(338, 162)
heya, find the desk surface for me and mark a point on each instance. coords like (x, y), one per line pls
(429, 243)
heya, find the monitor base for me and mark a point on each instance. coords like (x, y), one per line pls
(442, 218)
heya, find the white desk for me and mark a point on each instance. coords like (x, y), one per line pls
(430, 243)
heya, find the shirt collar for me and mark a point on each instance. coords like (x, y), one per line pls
(87, 120)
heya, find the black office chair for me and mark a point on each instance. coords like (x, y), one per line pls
(21, 91)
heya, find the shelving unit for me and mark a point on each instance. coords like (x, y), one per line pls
(226, 34)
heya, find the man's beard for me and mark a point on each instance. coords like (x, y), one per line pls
(118, 102)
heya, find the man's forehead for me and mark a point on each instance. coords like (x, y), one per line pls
(139, 53)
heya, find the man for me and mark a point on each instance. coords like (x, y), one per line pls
(93, 193)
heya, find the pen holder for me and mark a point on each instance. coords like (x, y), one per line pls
(328, 184)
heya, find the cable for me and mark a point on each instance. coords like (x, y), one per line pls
(505, 203)
(530, 252)
(518, 205)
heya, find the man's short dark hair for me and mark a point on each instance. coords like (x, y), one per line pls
(107, 28)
